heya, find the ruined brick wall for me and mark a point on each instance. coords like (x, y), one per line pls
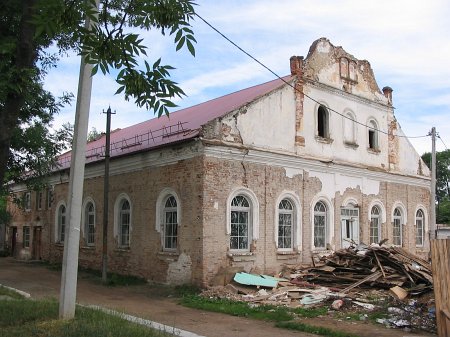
(268, 182)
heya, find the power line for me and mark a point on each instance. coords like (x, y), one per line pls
(442, 141)
(289, 84)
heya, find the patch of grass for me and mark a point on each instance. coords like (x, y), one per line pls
(11, 293)
(313, 329)
(310, 312)
(241, 309)
(25, 317)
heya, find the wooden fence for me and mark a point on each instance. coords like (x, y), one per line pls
(440, 263)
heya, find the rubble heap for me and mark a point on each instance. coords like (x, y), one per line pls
(372, 266)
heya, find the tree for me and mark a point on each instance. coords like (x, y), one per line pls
(93, 135)
(29, 27)
(442, 184)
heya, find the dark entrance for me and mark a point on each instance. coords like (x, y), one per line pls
(36, 252)
(13, 241)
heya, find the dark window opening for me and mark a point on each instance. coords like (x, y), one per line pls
(322, 122)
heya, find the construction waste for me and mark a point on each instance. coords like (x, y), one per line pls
(360, 279)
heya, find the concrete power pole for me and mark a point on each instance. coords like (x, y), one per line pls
(68, 292)
(433, 185)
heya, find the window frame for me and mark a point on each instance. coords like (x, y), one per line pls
(325, 216)
(87, 234)
(27, 201)
(26, 236)
(397, 221)
(296, 222)
(118, 217)
(350, 128)
(170, 210)
(422, 232)
(377, 228)
(60, 228)
(49, 198)
(323, 122)
(160, 216)
(39, 199)
(373, 139)
(253, 217)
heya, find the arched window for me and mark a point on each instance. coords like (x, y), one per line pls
(420, 228)
(322, 122)
(373, 135)
(61, 223)
(286, 222)
(320, 225)
(89, 223)
(124, 223)
(240, 223)
(170, 224)
(397, 227)
(375, 225)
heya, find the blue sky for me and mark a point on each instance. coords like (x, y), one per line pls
(406, 42)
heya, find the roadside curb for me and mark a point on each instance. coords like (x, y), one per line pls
(130, 318)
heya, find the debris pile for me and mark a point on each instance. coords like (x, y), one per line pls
(368, 267)
(358, 279)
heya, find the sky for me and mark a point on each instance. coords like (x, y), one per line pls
(406, 42)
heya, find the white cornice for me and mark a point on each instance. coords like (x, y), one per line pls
(309, 164)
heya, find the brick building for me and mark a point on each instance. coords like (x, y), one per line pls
(265, 176)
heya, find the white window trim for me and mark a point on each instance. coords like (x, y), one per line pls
(117, 203)
(380, 205)
(159, 219)
(57, 234)
(329, 231)
(297, 223)
(254, 213)
(425, 222)
(328, 120)
(83, 219)
(377, 133)
(404, 219)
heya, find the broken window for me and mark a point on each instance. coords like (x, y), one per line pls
(170, 225)
(375, 225)
(124, 223)
(240, 223)
(61, 223)
(420, 228)
(320, 225)
(285, 225)
(89, 223)
(373, 135)
(322, 122)
(26, 237)
(397, 227)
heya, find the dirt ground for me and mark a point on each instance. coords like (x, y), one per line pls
(157, 304)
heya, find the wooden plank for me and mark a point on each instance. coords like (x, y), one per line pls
(440, 258)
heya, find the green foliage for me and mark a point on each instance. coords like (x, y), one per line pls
(29, 28)
(442, 184)
(298, 326)
(93, 135)
(39, 318)
(264, 312)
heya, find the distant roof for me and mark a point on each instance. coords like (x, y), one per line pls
(179, 126)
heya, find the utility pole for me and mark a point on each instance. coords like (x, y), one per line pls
(433, 185)
(68, 291)
(105, 197)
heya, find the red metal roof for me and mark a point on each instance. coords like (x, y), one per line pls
(180, 125)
